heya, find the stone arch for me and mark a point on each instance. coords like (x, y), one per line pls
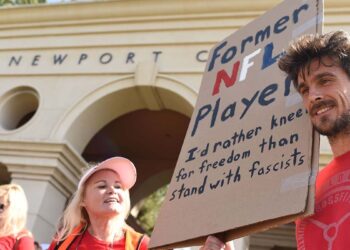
(91, 113)
(83, 121)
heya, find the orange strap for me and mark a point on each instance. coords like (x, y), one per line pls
(65, 244)
(132, 239)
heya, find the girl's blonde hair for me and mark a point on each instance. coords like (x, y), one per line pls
(75, 214)
(14, 217)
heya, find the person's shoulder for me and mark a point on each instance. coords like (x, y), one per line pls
(140, 239)
(53, 244)
(24, 233)
(24, 241)
(8, 240)
(145, 242)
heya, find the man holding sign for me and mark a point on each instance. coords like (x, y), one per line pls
(319, 66)
(250, 154)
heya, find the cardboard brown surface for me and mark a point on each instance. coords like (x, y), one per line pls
(250, 155)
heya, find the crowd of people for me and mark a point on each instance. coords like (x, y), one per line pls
(319, 66)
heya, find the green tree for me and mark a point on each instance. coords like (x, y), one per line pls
(149, 209)
(20, 2)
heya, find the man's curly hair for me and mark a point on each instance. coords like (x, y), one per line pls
(304, 50)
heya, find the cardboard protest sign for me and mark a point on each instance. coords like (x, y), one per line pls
(250, 157)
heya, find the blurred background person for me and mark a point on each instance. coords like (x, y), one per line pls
(95, 217)
(37, 246)
(13, 217)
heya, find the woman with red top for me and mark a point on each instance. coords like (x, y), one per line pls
(13, 217)
(95, 217)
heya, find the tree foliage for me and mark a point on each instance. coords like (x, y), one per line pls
(149, 209)
(20, 2)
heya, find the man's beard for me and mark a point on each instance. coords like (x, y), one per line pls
(340, 125)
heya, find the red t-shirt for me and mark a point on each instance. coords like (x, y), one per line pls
(86, 241)
(329, 227)
(24, 243)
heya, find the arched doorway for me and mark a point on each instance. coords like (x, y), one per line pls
(151, 139)
(146, 124)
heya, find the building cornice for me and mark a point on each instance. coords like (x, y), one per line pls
(125, 9)
(140, 9)
(55, 162)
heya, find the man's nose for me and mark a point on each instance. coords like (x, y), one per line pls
(315, 95)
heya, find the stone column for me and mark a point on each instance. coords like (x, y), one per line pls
(48, 173)
(241, 243)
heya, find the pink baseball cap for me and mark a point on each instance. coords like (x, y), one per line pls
(122, 166)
